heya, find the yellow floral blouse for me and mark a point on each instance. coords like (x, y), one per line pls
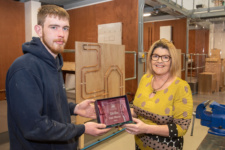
(172, 106)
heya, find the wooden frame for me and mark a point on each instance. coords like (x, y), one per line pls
(100, 73)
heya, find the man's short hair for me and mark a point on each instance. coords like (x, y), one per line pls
(51, 10)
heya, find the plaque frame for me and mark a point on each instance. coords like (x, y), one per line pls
(125, 104)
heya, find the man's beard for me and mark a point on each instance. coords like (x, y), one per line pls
(54, 48)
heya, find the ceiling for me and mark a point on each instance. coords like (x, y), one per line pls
(152, 6)
(205, 23)
(161, 8)
(68, 4)
(56, 2)
(199, 18)
(158, 10)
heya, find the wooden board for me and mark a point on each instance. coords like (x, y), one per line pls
(215, 68)
(68, 66)
(216, 53)
(207, 83)
(100, 71)
(110, 33)
(11, 28)
(179, 58)
(212, 59)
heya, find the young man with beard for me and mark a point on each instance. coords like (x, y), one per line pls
(38, 111)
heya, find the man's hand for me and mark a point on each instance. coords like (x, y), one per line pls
(86, 109)
(95, 129)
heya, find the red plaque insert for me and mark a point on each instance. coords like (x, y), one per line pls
(113, 111)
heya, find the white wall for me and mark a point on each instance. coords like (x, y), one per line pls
(217, 37)
(31, 9)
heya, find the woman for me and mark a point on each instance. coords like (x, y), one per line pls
(163, 102)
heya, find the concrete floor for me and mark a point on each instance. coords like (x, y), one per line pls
(123, 140)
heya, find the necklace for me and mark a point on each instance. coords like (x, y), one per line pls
(154, 90)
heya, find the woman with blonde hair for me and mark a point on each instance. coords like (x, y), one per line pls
(163, 102)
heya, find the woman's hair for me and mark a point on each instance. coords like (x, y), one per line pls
(175, 64)
(49, 10)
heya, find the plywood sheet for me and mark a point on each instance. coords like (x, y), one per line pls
(100, 71)
(211, 59)
(216, 53)
(8, 51)
(215, 68)
(110, 33)
(179, 60)
(207, 83)
(68, 66)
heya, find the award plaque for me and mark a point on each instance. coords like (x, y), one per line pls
(114, 111)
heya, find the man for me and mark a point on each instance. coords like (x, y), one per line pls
(38, 111)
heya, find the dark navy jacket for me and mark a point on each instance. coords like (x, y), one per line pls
(38, 111)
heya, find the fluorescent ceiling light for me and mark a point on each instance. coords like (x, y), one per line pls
(146, 14)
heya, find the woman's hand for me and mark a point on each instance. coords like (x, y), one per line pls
(138, 128)
(133, 113)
